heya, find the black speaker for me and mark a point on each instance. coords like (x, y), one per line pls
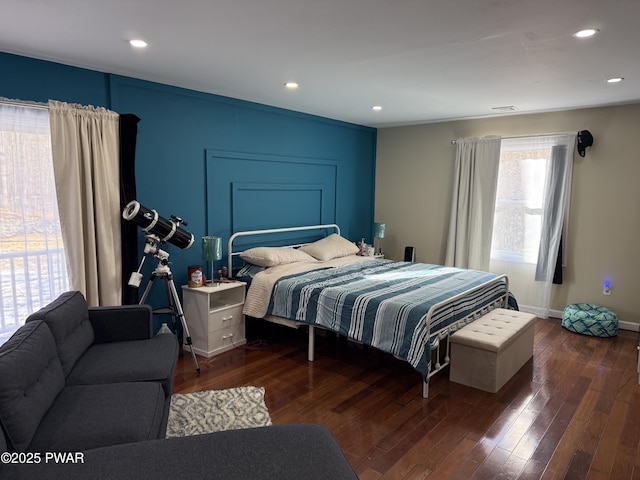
(409, 254)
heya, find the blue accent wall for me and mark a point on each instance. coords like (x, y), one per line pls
(182, 132)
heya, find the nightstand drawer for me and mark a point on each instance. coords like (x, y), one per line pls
(225, 318)
(227, 337)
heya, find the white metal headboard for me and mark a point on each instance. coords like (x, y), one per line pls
(231, 253)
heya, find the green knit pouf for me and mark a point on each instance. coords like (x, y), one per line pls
(589, 319)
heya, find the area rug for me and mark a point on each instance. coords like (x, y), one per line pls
(217, 410)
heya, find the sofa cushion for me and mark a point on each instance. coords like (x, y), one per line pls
(121, 323)
(280, 452)
(91, 416)
(141, 360)
(68, 319)
(32, 378)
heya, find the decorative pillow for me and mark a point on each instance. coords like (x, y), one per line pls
(333, 246)
(272, 256)
(249, 271)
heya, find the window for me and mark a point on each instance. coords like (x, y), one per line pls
(33, 269)
(525, 169)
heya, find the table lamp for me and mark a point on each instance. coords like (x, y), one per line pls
(211, 251)
(378, 235)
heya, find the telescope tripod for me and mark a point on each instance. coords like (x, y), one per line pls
(175, 308)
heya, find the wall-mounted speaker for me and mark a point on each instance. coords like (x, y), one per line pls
(409, 254)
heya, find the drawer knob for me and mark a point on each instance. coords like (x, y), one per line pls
(226, 319)
(226, 337)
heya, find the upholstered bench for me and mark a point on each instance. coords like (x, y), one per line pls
(589, 319)
(487, 352)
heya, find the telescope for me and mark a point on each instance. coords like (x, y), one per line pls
(159, 230)
(152, 223)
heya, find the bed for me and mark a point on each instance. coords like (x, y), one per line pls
(406, 309)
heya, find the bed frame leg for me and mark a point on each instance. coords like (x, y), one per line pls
(311, 354)
(425, 389)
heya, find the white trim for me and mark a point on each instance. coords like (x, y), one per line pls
(538, 312)
(622, 325)
(631, 326)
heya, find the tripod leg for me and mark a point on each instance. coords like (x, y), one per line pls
(172, 307)
(187, 336)
(147, 289)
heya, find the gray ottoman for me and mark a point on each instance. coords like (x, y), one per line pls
(590, 319)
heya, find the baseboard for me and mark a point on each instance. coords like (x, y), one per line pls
(634, 327)
(538, 312)
(555, 313)
(622, 325)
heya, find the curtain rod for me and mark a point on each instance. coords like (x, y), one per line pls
(22, 103)
(453, 142)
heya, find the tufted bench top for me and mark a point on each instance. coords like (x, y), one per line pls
(494, 330)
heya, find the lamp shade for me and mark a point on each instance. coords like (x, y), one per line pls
(378, 230)
(211, 248)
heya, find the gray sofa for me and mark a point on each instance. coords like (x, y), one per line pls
(96, 383)
(76, 378)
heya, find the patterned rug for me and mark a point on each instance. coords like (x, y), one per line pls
(217, 410)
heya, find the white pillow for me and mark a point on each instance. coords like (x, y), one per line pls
(272, 256)
(333, 246)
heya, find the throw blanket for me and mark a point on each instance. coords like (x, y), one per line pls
(384, 303)
(259, 293)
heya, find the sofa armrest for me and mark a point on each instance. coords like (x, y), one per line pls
(121, 323)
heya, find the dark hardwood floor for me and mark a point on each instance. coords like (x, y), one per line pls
(572, 412)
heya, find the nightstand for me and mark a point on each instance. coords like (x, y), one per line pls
(214, 317)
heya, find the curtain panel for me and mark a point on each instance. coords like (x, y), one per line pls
(85, 148)
(128, 137)
(557, 194)
(472, 207)
(556, 205)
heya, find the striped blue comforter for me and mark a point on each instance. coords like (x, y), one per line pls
(384, 303)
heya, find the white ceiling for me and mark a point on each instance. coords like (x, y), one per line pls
(422, 60)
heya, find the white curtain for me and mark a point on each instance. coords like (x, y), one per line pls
(85, 150)
(531, 277)
(472, 207)
(33, 269)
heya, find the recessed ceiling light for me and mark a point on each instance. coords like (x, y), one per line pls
(291, 85)
(615, 79)
(376, 108)
(587, 32)
(138, 43)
